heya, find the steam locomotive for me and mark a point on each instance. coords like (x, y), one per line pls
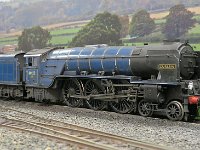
(146, 79)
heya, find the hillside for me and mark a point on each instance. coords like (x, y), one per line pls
(62, 33)
(22, 14)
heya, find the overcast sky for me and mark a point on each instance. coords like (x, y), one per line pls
(4, 0)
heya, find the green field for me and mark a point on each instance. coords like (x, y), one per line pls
(160, 21)
(65, 35)
(61, 39)
(64, 31)
(8, 43)
(195, 30)
(197, 17)
(8, 39)
(59, 36)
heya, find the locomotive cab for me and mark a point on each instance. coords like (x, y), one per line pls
(31, 69)
(34, 69)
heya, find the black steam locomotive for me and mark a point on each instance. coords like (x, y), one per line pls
(146, 79)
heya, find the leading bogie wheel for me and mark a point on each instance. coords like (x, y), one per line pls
(174, 111)
(145, 109)
(71, 89)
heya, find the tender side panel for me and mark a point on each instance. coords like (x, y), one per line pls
(9, 71)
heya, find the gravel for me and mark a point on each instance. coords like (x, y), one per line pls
(176, 135)
(16, 140)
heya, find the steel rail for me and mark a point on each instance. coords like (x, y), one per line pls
(71, 139)
(108, 136)
(86, 131)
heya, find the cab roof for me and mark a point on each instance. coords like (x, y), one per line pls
(38, 52)
(12, 54)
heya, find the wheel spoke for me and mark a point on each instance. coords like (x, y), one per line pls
(144, 108)
(72, 87)
(175, 111)
(93, 87)
(123, 105)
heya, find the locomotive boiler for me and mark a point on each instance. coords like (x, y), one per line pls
(131, 61)
(145, 79)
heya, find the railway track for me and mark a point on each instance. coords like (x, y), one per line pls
(72, 134)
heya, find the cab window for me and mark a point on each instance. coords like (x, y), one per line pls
(32, 61)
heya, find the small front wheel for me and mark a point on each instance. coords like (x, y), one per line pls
(174, 111)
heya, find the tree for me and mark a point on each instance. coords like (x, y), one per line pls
(178, 22)
(141, 24)
(124, 20)
(103, 29)
(33, 38)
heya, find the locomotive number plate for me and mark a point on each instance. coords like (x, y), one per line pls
(167, 66)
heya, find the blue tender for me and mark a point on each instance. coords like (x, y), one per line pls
(9, 69)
